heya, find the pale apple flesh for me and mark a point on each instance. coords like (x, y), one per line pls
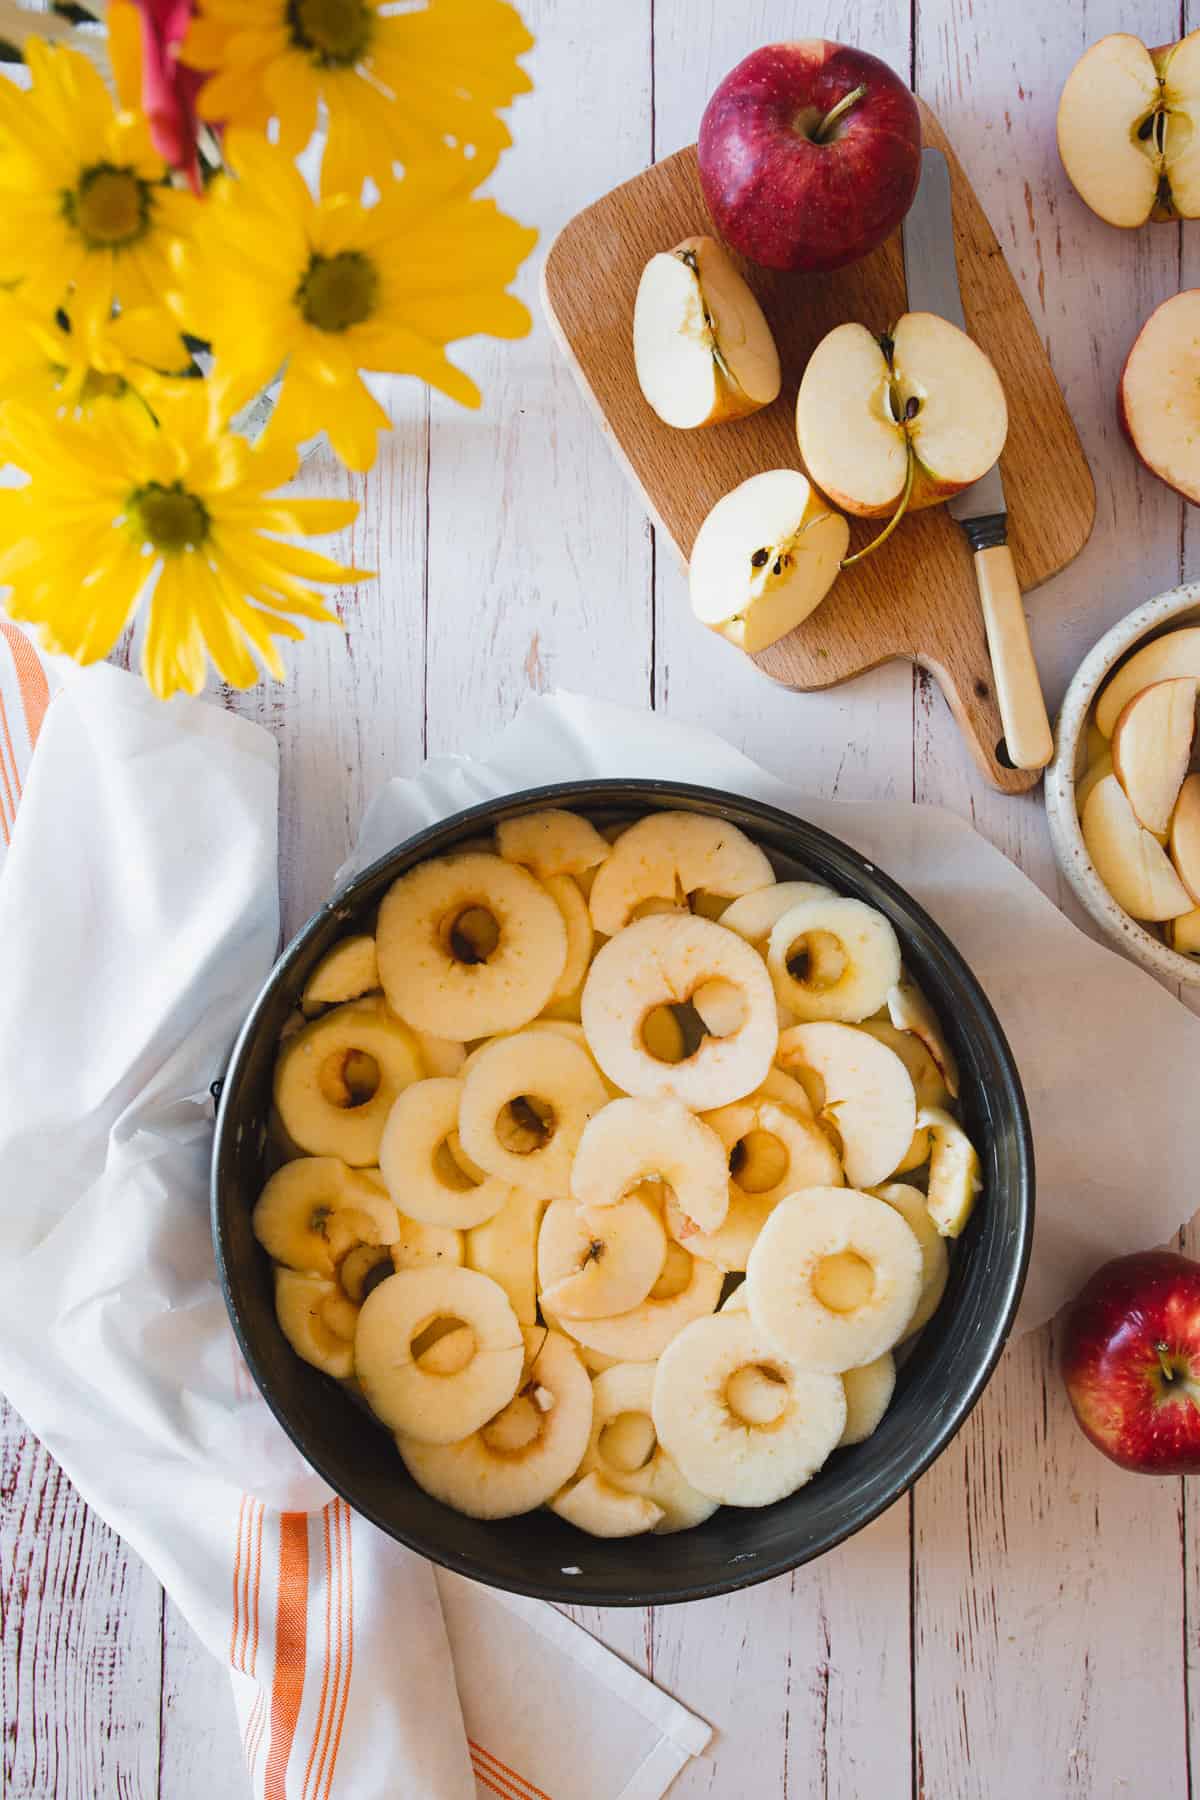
(1129, 860)
(764, 558)
(1175, 653)
(866, 404)
(702, 349)
(1185, 836)
(1127, 129)
(1183, 933)
(1094, 772)
(1109, 94)
(1158, 398)
(1151, 745)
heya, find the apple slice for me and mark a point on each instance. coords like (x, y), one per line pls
(701, 346)
(1162, 659)
(954, 1177)
(1092, 774)
(1111, 161)
(764, 558)
(1151, 744)
(866, 404)
(1158, 396)
(1185, 836)
(909, 1010)
(869, 1096)
(1183, 933)
(1130, 862)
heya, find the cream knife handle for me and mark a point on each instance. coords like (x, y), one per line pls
(1027, 733)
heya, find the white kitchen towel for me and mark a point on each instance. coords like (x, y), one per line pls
(138, 918)
(1108, 1059)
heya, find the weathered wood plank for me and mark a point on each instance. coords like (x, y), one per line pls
(80, 1635)
(1047, 1659)
(200, 1752)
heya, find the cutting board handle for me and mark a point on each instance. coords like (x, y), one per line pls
(972, 700)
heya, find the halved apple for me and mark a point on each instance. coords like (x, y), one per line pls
(1126, 129)
(1183, 933)
(1092, 774)
(701, 346)
(1158, 396)
(1162, 659)
(1185, 836)
(764, 558)
(1129, 860)
(867, 404)
(1151, 745)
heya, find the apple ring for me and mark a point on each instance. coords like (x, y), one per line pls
(520, 1458)
(850, 957)
(633, 1141)
(594, 1264)
(659, 962)
(834, 1278)
(526, 1100)
(316, 1210)
(406, 1393)
(421, 1173)
(568, 898)
(686, 1290)
(770, 1153)
(668, 855)
(624, 1449)
(337, 1078)
(755, 915)
(552, 842)
(441, 975)
(742, 1422)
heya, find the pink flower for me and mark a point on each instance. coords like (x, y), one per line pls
(169, 87)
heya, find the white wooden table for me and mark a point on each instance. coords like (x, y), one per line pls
(1026, 1621)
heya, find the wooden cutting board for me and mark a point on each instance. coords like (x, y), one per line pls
(916, 596)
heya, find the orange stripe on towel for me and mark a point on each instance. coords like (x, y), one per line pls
(291, 1630)
(31, 679)
(325, 1668)
(236, 1628)
(503, 1773)
(346, 1594)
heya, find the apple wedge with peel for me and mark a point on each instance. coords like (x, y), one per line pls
(1129, 860)
(868, 407)
(1151, 746)
(1185, 836)
(764, 558)
(702, 349)
(1126, 129)
(1163, 658)
(1158, 396)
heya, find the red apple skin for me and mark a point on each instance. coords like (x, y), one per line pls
(1134, 1314)
(780, 198)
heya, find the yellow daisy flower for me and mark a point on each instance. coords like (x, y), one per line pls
(185, 517)
(399, 86)
(83, 200)
(71, 365)
(329, 287)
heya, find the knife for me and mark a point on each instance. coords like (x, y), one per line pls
(931, 276)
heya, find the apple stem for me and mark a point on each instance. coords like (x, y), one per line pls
(885, 534)
(1168, 1372)
(821, 134)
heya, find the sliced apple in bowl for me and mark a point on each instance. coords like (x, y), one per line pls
(920, 408)
(1151, 746)
(1185, 837)
(1161, 659)
(1129, 860)
(765, 558)
(702, 349)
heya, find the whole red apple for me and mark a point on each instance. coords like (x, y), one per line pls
(1131, 1362)
(810, 154)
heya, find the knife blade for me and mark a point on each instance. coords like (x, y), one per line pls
(931, 277)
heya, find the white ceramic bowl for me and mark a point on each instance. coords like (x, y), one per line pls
(1164, 613)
